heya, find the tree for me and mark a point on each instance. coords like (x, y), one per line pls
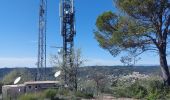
(72, 72)
(1, 87)
(99, 79)
(131, 59)
(143, 26)
(78, 61)
(126, 60)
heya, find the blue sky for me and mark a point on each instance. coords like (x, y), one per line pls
(19, 28)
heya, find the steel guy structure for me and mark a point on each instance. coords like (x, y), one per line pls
(68, 31)
(41, 63)
(67, 17)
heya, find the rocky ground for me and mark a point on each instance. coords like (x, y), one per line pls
(109, 97)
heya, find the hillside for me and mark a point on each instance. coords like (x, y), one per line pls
(89, 70)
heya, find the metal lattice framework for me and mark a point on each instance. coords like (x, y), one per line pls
(41, 64)
(67, 16)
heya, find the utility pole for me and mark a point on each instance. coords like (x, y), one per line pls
(41, 63)
(67, 25)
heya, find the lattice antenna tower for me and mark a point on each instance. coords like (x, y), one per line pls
(41, 63)
(67, 25)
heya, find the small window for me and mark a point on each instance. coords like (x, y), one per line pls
(36, 87)
(29, 87)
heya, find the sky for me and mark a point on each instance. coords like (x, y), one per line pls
(19, 33)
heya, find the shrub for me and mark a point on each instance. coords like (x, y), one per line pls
(29, 97)
(120, 92)
(50, 93)
(156, 90)
(137, 91)
(84, 95)
(134, 91)
(126, 89)
(155, 85)
(64, 92)
(153, 95)
(1, 87)
(88, 95)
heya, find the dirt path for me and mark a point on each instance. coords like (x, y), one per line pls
(110, 97)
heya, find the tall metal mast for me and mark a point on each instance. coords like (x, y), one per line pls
(67, 17)
(41, 64)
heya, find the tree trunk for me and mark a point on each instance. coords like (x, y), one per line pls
(164, 66)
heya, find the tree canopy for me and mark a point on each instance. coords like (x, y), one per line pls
(143, 26)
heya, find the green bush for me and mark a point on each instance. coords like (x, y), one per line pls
(153, 95)
(155, 85)
(50, 93)
(88, 95)
(29, 97)
(64, 92)
(150, 89)
(156, 90)
(120, 92)
(131, 92)
(107, 90)
(137, 91)
(84, 95)
(79, 94)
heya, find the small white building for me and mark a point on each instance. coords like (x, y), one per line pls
(11, 92)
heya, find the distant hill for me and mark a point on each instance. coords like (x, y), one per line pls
(89, 70)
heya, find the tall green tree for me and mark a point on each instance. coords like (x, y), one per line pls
(142, 25)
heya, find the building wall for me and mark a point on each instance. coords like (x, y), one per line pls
(11, 92)
(39, 87)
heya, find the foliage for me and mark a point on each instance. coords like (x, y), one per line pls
(138, 29)
(60, 94)
(85, 71)
(137, 90)
(133, 91)
(64, 92)
(118, 33)
(25, 76)
(50, 93)
(83, 95)
(126, 60)
(57, 60)
(100, 81)
(150, 89)
(120, 92)
(157, 90)
(131, 59)
(144, 26)
(30, 97)
(1, 87)
(9, 78)
(87, 86)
